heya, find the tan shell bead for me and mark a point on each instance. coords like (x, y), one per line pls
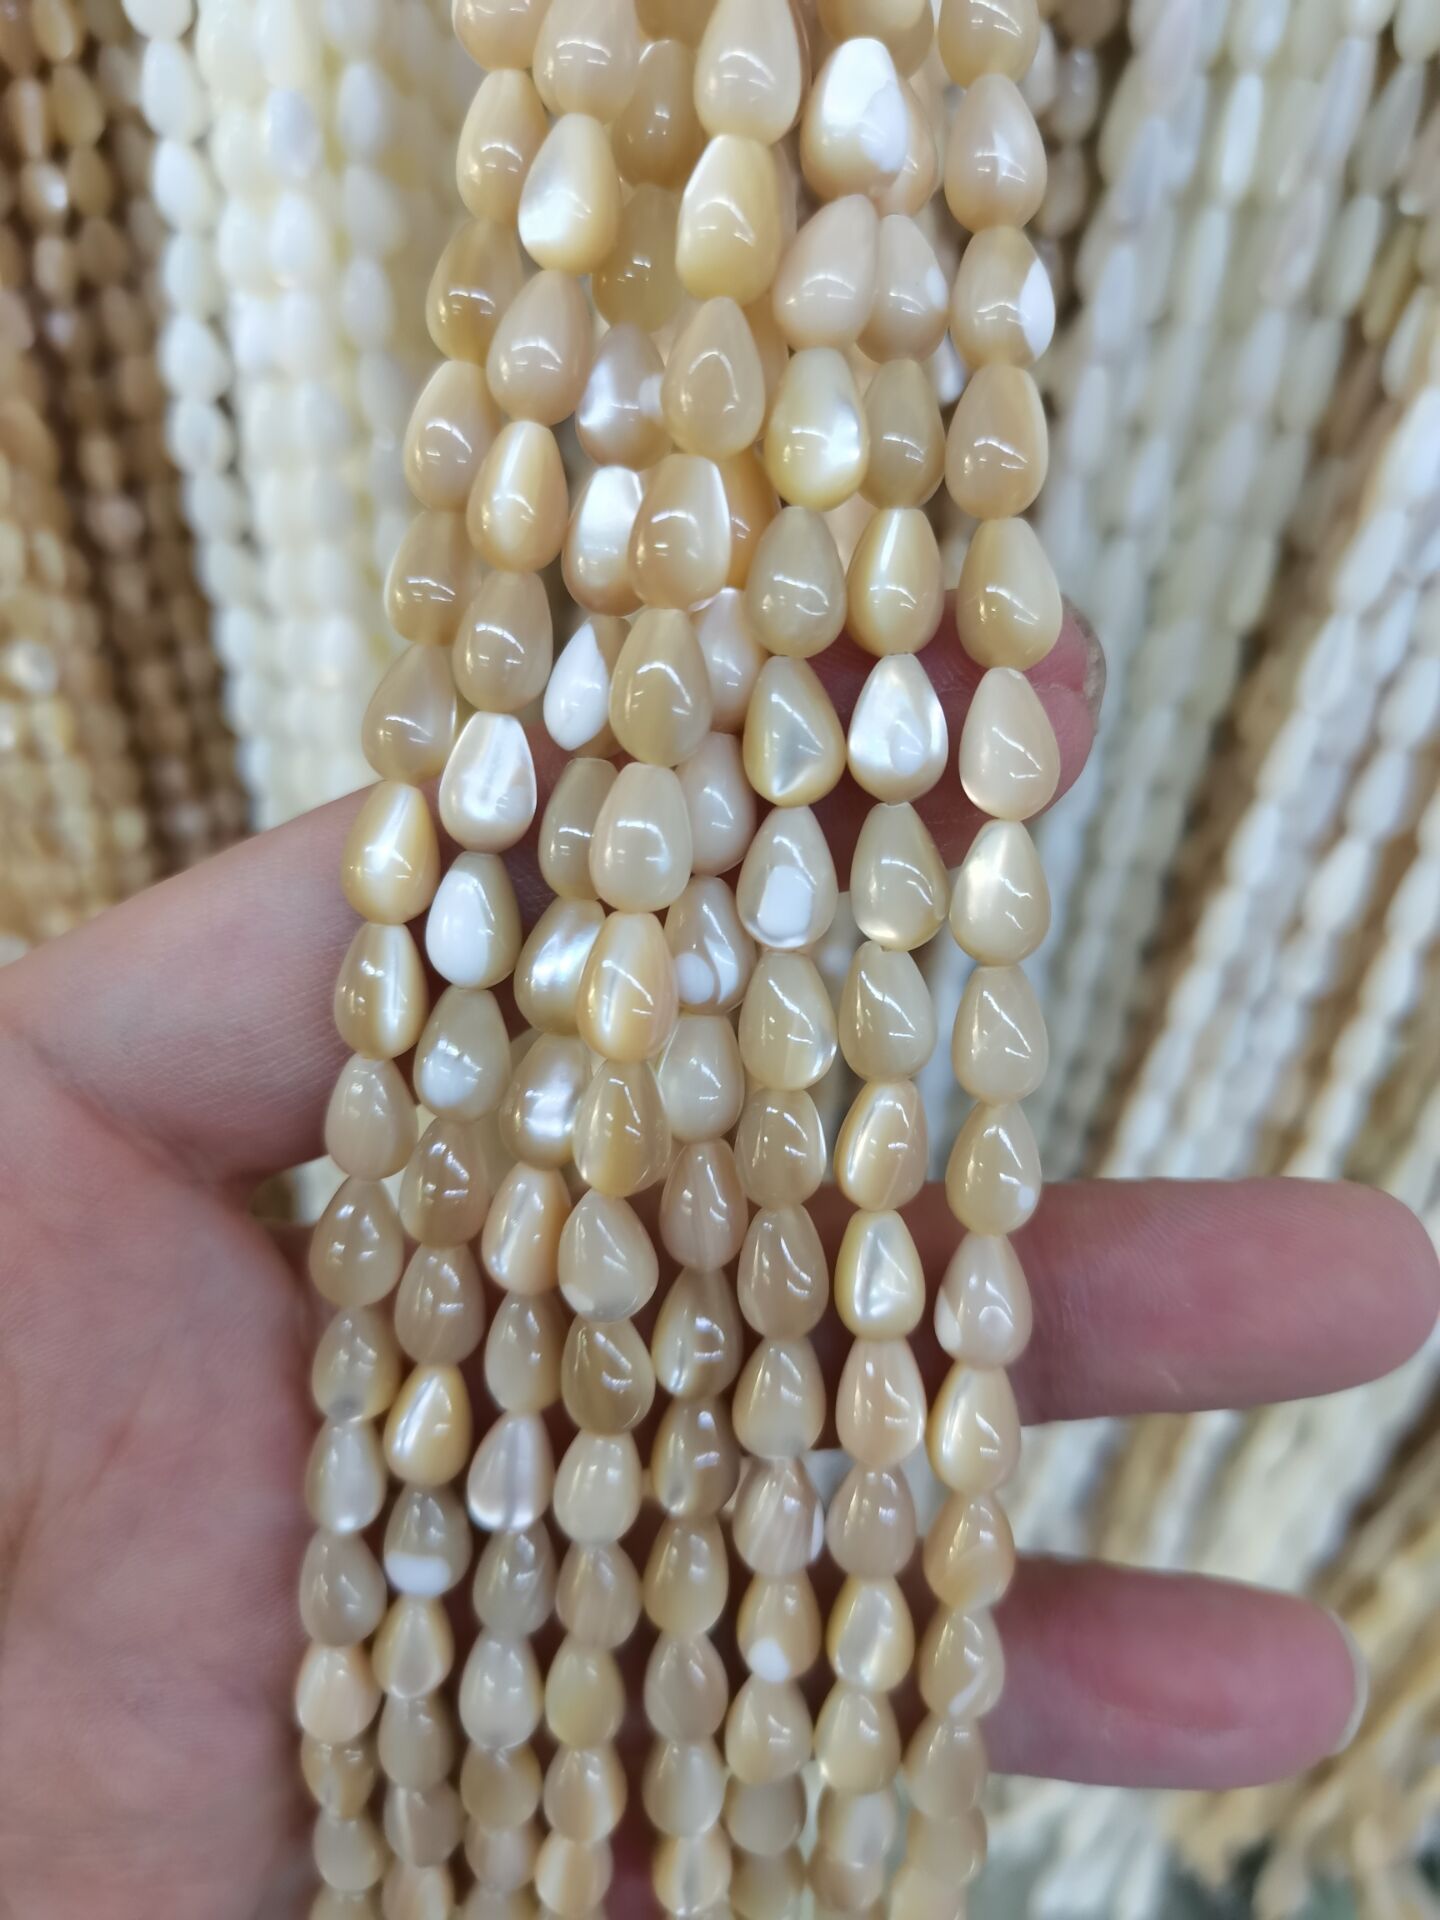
(817, 440)
(988, 36)
(694, 1465)
(969, 1553)
(880, 1403)
(502, 1860)
(537, 1114)
(501, 1695)
(539, 356)
(597, 1493)
(607, 1380)
(566, 826)
(636, 284)
(617, 421)
(462, 1064)
(370, 1121)
(586, 55)
(440, 1308)
(356, 1369)
(430, 578)
(342, 1590)
(702, 1208)
(778, 1628)
(780, 1148)
(409, 725)
(995, 171)
(552, 963)
(1000, 909)
(886, 1018)
(767, 1731)
(683, 1787)
(445, 1189)
(641, 852)
(391, 863)
(974, 1434)
(825, 289)
(599, 1594)
(713, 391)
(701, 1078)
(660, 704)
(794, 746)
(733, 656)
(881, 1149)
(961, 1669)
(476, 277)
(949, 1851)
(1009, 757)
(753, 504)
(696, 1344)
(657, 136)
(907, 440)
(787, 892)
(908, 316)
(869, 1640)
(895, 583)
(1002, 306)
(857, 1743)
(945, 1767)
(870, 1528)
(997, 451)
(731, 230)
(628, 1002)
(451, 429)
(522, 1353)
(680, 543)
(1008, 610)
(585, 1792)
(498, 33)
(765, 1821)
(692, 1874)
(500, 1786)
(686, 1691)
(340, 1779)
(608, 1268)
(414, 1650)
(380, 997)
(511, 1476)
(621, 1136)
(854, 132)
(417, 1742)
(520, 504)
(569, 214)
(595, 560)
(787, 1025)
(503, 131)
(427, 1432)
(686, 1577)
(783, 1281)
(336, 1694)
(763, 1887)
(795, 596)
(714, 955)
(345, 1477)
(505, 643)
(780, 1400)
(999, 1049)
(749, 70)
(879, 1281)
(898, 882)
(778, 1524)
(720, 802)
(992, 1180)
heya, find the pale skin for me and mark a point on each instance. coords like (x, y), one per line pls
(154, 1413)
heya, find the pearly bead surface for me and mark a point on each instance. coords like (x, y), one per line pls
(1008, 610)
(1009, 758)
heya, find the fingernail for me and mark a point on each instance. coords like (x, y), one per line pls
(1362, 1686)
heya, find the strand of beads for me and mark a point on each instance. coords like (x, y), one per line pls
(1009, 768)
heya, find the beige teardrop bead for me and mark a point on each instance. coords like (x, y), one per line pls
(881, 1149)
(607, 1380)
(783, 1281)
(780, 1400)
(870, 1640)
(795, 595)
(702, 1209)
(522, 1353)
(787, 892)
(753, 504)
(787, 1025)
(995, 171)
(505, 643)
(445, 1189)
(427, 1542)
(731, 226)
(692, 1874)
(945, 1767)
(895, 584)
(566, 826)
(886, 1020)
(780, 1148)
(713, 392)
(778, 1524)
(907, 440)
(702, 1078)
(595, 560)
(767, 1731)
(341, 1780)
(356, 1370)
(462, 1064)
(414, 1650)
(714, 955)
(520, 505)
(859, 1829)
(794, 745)
(913, 187)
(733, 656)
(871, 1527)
(880, 1403)
(599, 1593)
(817, 441)
(430, 578)
(552, 963)
(657, 137)
(476, 277)
(585, 1792)
(987, 36)
(500, 1787)
(511, 1476)
(409, 725)
(500, 1693)
(617, 421)
(502, 134)
(999, 1049)
(440, 1308)
(1009, 757)
(1008, 610)
(608, 1268)
(854, 133)
(778, 1628)
(879, 1281)
(908, 316)
(961, 1669)
(857, 1743)
(336, 1694)
(720, 802)
(749, 70)
(498, 33)
(687, 1577)
(898, 882)
(640, 852)
(1002, 306)
(686, 1690)
(370, 1121)
(696, 1345)
(684, 1787)
(539, 357)
(586, 56)
(826, 285)
(636, 284)
(992, 1180)
(974, 1433)
(660, 705)
(997, 451)
(970, 1552)
(569, 215)
(628, 1002)
(621, 1136)
(380, 993)
(694, 1463)
(597, 1493)
(680, 543)
(537, 1114)
(391, 864)
(766, 1821)
(427, 1433)
(1000, 909)
(451, 430)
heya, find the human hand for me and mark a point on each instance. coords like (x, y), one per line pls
(154, 1414)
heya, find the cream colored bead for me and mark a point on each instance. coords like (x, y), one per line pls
(597, 1492)
(995, 171)
(778, 1524)
(880, 1403)
(660, 706)
(657, 137)
(569, 214)
(1000, 909)
(427, 1542)
(731, 225)
(502, 1860)
(349, 1854)
(505, 643)
(999, 1049)
(342, 1590)
(894, 584)
(539, 356)
(584, 1694)
(767, 1731)
(879, 1282)
(692, 1874)
(908, 316)
(370, 1121)
(472, 934)
(628, 1001)
(701, 1078)
(440, 1308)
(488, 795)
(779, 1405)
(898, 881)
(522, 1353)
(858, 1829)
(640, 852)
(500, 1787)
(519, 506)
(427, 1432)
(870, 1528)
(552, 963)
(857, 1743)
(870, 1641)
(970, 1553)
(336, 1694)
(974, 1432)
(783, 1282)
(576, 706)
(714, 955)
(886, 1021)
(764, 1888)
(345, 1476)
(733, 656)
(445, 1190)
(680, 543)
(621, 1142)
(595, 560)
(686, 1577)
(950, 1851)
(795, 595)
(409, 725)
(854, 132)
(380, 994)
(585, 1792)
(825, 288)
(817, 440)
(961, 1669)
(992, 1180)
(702, 1208)
(512, 1474)
(1009, 758)
(945, 1767)
(881, 1149)
(787, 892)
(778, 1627)
(607, 1265)
(767, 1820)
(694, 1465)
(898, 743)
(686, 1692)
(586, 56)
(417, 1742)
(608, 1382)
(1008, 610)
(566, 826)
(340, 1779)
(430, 578)
(720, 802)
(787, 1025)
(983, 1313)
(357, 1247)
(356, 1369)
(498, 33)
(537, 1114)
(598, 1598)
(462, 1064)
(1002, 306)
(451, 430)
(637, 284)
(713, 392)
(749, 71)
(696, 1345)
(907, 440)
(414, 1649)
(500, 1693)
(988, 36)
(997, 451)
(503, 132)
(684, 1786)
(618, 419)
(780, 1148)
